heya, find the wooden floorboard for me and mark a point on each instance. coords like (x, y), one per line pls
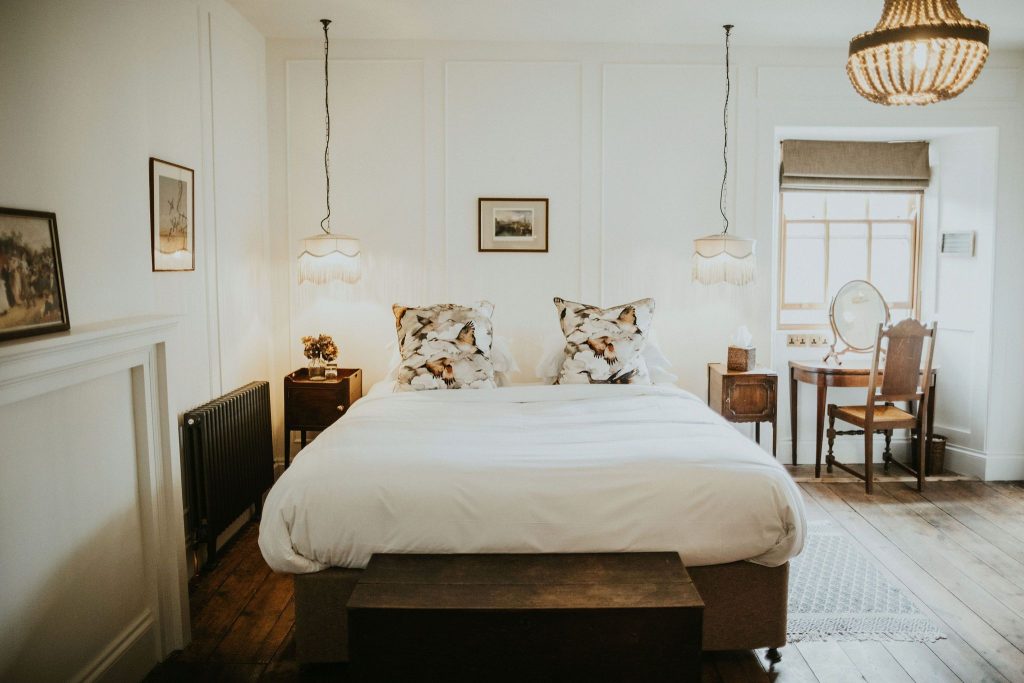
(828, 662)
(959, 504)
(1009, 567)
(987, 593)
(957, 550)
(977, 646)
(875, 662)
(921, 663)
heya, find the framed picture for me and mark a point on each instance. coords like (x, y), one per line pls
(32, 297)
(513, 224)
(172, 216)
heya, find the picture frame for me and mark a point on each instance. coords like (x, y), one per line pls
(32, 296)
(513, 224)
(172, 216)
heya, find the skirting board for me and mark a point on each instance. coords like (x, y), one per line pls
(985, 466)
(129, 657)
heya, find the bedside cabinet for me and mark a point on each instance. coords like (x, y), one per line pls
(313, 406)
(749, 396)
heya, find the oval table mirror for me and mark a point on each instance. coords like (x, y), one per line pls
(856, 312)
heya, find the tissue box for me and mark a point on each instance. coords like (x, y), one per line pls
(741, 358)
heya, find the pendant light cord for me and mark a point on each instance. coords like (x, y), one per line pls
(327, 146)
(725, 138)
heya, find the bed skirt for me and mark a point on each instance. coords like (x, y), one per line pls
(745, 608)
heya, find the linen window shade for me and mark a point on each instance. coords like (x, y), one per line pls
(839, 165)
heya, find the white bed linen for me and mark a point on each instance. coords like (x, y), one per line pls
(581, 468)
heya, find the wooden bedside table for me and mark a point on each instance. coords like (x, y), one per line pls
(744, 396)
(314, 405)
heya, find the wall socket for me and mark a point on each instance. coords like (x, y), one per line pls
(806, 340)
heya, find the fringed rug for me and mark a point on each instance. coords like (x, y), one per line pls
(836, 593)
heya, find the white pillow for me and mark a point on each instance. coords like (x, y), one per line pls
(658, 366)
(501, 356)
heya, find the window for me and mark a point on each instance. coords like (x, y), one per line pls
(830, 238)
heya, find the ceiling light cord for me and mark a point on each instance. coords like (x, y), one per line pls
(325, 224)
(725, 138)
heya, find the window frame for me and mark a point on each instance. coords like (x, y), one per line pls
(915, 299)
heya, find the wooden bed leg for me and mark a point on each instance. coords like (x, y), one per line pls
(773, 657)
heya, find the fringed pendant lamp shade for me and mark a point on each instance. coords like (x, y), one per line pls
(921, 51)
(327, 257)
(722, 257)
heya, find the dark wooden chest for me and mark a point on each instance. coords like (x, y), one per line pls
(607, 617)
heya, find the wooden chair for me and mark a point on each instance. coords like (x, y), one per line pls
(902, 379)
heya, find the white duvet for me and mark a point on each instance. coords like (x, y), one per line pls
(581, 468)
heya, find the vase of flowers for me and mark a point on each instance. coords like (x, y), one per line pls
(321, 351)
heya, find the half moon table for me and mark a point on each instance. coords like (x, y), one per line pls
(824, 375)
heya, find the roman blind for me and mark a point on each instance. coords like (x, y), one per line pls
(839, 165)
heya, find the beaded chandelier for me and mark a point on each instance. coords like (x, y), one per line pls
(921, 51)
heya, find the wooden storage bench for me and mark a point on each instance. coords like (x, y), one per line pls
(623, 616)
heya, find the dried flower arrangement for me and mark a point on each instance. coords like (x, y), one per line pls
(321, 346)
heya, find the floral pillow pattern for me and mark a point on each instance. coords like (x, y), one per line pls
(605, 345)
(445, 346)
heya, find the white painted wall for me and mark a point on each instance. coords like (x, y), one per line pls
(88, 92)
(239, 259)
(960, 290)
(65, 562)
(625, 140)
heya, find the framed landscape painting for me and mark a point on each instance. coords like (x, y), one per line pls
(32, 296)
(172, 216)
(519, 224)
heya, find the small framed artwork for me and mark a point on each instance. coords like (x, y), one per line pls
(32, 296)
(172, 216)
(519, 224)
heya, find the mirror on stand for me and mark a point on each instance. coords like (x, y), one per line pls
(857, 310)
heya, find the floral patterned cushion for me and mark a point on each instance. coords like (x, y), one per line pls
(605, 345)
(445, 346)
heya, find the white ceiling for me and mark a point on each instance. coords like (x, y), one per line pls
(805, 23)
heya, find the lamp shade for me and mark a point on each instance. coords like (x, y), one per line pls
(327, 258)
(723, 258)
(921, 51)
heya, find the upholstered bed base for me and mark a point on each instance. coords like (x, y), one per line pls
(745, 608)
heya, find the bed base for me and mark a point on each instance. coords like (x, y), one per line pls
(745, 608)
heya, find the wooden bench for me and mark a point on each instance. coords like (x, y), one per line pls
(624, 616)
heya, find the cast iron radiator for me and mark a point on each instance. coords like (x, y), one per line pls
(229, 461)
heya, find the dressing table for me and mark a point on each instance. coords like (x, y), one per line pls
(857, 313)
(823, 375)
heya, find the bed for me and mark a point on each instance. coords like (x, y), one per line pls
(537, 469)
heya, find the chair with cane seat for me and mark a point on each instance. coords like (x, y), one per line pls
(901, 379)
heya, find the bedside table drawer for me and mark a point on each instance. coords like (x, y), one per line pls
(748, 398)
(313, 406)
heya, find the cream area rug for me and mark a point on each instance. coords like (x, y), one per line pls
(836, 593)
